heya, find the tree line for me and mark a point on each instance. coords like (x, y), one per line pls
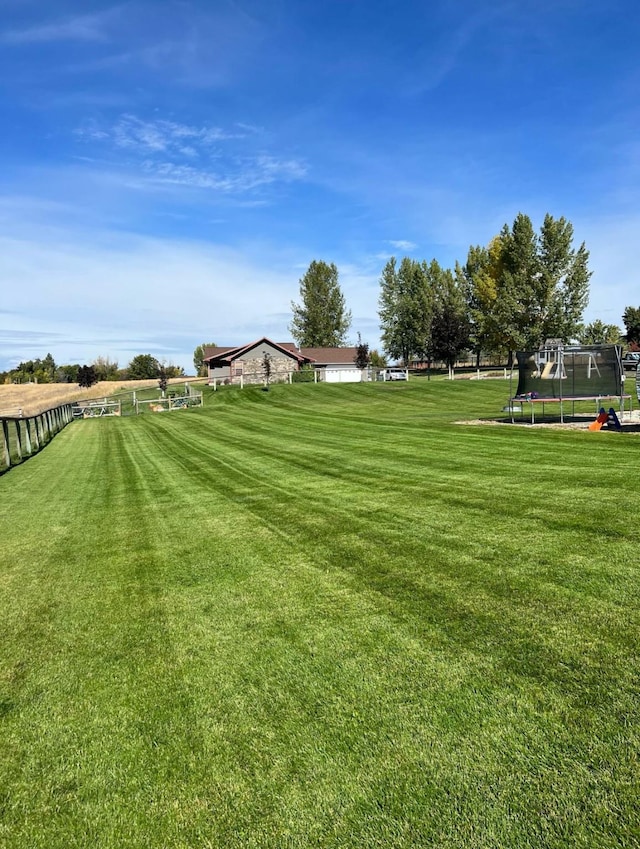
(46, 370)
(521, 289)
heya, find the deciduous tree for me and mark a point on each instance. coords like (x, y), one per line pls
(87, 376)
(362, 356)
(525, 288)
(143, 367)
(105, 368)
(321, 319)
(450, 326)
(631, 319)
(599, 333)
(198, 358)
(405, 307)
(162, 379)
(267, 368)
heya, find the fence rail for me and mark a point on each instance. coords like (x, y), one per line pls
(24, 436)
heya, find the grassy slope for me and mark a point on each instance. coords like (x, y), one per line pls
(320, 616)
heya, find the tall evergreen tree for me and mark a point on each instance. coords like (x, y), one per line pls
(321, 320)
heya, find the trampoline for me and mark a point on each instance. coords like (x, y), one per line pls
(565, 374)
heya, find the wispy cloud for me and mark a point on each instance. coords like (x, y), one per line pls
(402, 244)
(246, 174)
(78, 28)
(172, 153)
(133, 133)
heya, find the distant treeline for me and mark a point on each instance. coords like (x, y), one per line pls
(46, 370)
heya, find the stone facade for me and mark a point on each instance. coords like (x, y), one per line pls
(253, 369)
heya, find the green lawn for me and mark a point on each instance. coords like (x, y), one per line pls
(321, 616)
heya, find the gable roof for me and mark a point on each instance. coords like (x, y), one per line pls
(226, 355)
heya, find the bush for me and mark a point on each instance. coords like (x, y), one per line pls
(305, 375)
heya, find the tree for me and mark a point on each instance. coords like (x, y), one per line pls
(68, 373)
(482, 274)
(450, 326)
(376, 360)
(631, 319)
(49, 368)
(321, 320)
(564, 280)
(162, 379)
(267, 367)
(598, 333)
(143, 367)
(87, 376)
(525, 288)
(173, 371)
(516, 307)
(362, 356)
(198, 358)
(405, 309)
(105, 368)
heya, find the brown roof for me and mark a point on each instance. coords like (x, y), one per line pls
(330, 356)
(320, 356)
(217, 350)
(227, 354)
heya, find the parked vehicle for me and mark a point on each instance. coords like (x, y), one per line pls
(631, 360)
(393, 374)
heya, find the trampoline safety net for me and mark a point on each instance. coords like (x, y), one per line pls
(570, 372)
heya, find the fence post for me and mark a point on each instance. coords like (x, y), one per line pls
(5, 443)
(18, 439)
(27, 435)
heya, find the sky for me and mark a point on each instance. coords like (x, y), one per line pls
(171, 168)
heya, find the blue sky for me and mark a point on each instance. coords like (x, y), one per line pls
(170, 169)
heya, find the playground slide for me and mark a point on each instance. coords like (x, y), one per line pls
(614, 421)
(610, 419)
(602, 418)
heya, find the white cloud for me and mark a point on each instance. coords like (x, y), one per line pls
(191, 156)
(122, 295)
(152, 136)
(402, 244)
(79, 28)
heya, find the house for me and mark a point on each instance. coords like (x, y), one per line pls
(245, 363)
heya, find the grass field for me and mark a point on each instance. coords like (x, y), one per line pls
(321, 616)
(33, 398)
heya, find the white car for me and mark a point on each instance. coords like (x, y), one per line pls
(393, 374)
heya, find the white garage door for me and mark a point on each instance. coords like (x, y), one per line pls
(343, 375)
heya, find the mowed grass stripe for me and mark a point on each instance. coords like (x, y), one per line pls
(249, 646)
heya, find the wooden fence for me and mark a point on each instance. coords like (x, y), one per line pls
(24, 436)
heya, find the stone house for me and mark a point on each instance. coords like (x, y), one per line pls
(245, 363)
